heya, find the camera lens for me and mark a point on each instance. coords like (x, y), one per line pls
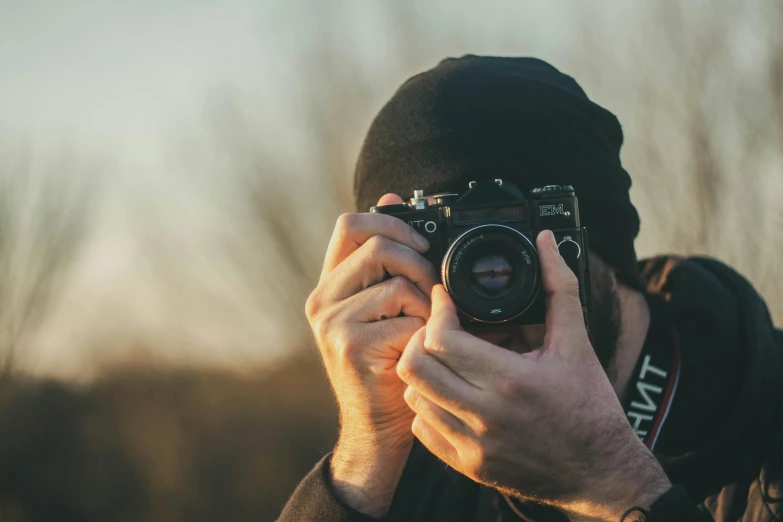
(491, 272)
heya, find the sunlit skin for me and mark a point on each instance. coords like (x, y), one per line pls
(544, 422)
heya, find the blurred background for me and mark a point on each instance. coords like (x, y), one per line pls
(170, 173)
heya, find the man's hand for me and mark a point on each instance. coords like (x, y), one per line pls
(373, 295)
(543, 425)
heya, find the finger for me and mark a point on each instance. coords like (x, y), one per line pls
(390, 199)
(435, 381)
(391, 298)
(391, 336)
(374, 346)
(475, 360)
(436, 442)
(444, 422)
(444, 312)
(563, 308)
(372, 262)
(353, 230)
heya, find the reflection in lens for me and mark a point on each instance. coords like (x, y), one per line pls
(492, 273)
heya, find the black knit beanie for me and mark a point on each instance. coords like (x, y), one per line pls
(520, 119)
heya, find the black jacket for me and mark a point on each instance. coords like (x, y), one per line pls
(722, 443)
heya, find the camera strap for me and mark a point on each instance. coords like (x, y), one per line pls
(655, 378)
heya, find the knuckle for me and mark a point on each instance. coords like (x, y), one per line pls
(346, 345)
(312, 305)
(480, 425)
(400, 284)
(377, 246)
(408, 366)
(479, 460)
(403, 368)
(509, 386)
(346, 223)
(319, 329)
(434, 342)
(570, 285)
(413, 401)
(417, 426)
(322, 328)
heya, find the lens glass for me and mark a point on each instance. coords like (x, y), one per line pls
(492, 274)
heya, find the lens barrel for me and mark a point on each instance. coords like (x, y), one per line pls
(492, 273)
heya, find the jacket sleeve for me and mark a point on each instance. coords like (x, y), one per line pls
(314, 501)
(428, 491)
(675, 506)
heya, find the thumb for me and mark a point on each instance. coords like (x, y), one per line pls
(390, 199)
(564, 318)
(444, 313)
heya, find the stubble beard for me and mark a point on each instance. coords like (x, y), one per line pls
(605, 317)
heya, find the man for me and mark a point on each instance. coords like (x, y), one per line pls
(670, 409)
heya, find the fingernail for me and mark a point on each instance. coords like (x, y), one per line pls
(551, 241)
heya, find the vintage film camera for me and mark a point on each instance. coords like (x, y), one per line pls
(484, 243)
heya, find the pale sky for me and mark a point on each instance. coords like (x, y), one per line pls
(121, 75)
(126, 82)
(130, 83)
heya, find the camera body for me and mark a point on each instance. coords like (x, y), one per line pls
(484, 243)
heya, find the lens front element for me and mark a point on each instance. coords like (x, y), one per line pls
(492, 273)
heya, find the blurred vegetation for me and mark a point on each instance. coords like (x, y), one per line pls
(44, 220)
(162, 446)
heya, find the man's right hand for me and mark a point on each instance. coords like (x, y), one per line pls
(373, 295)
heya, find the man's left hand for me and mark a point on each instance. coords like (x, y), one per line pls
(543, 425)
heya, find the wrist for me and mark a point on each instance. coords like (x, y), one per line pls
(364, 474)
(641, 492)
(637, 480)
(359, 458)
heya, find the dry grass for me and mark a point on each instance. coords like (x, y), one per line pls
(162, 447)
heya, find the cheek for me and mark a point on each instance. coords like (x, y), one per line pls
(526, 338)
(532, 335)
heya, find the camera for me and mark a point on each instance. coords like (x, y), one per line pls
(484, 243)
